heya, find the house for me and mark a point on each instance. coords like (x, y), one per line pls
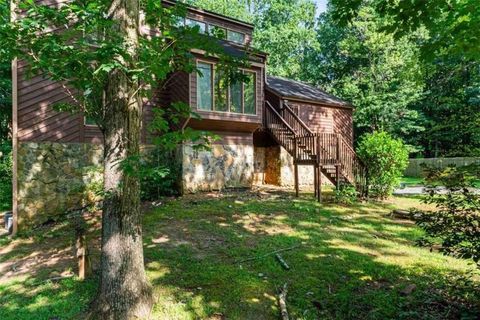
(273, 130)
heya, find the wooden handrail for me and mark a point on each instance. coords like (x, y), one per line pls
(296, 117)
(322, 149)
(279, 116)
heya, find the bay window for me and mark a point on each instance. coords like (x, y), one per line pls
(215, 93)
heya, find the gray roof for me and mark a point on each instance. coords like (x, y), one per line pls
(293, 89)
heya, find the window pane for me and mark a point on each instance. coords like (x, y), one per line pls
(218, 32)
(249, 94)
(204, 87)
(178, 22)
(220, 92)
(235, 36)
(193, 23)
(236, 97)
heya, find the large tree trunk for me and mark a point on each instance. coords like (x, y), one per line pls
(124, 291)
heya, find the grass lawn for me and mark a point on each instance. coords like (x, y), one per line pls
(412, 181)
(347, 262)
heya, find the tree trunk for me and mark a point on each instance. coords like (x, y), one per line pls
(124, 291)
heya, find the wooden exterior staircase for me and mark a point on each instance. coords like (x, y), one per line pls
(329, 153)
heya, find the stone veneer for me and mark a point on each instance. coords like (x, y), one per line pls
(221, 167)
(278, 168)
(54, 178)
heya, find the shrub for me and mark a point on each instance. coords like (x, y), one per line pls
(5, 176)
(386, 159)
(455, 222)
(346, 194)
(161, 174)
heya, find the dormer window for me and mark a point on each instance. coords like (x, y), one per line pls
(218, 32)
(237, 37)
(226, 34)
(193, 23)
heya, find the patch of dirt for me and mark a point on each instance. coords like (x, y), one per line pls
(49, 254)
(178, 233)
(51, 257)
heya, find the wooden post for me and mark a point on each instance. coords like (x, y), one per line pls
(337, 175)
(339, 161)
(319, 179)
(295, 163)
(83, 259)
(82, 256)
(315, 180)
(296, 179)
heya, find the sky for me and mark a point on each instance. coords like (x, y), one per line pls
(321, 6)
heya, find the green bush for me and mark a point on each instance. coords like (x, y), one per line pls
(161, 174)
(5, 176)
(386, 159)
(346, 194)
(455, 222)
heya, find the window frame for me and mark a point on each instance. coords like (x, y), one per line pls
(212, 83)
(198, 23)
(254, 92)
(227, 30)
(238, 32)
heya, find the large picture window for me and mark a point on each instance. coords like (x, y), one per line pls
(249, 94)
(215, 93)
(204, 86)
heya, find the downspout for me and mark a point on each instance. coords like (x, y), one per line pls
(14, 132)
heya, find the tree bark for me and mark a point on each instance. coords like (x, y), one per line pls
(124, 291)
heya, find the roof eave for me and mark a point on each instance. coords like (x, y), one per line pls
(211, 13)
(346, 105)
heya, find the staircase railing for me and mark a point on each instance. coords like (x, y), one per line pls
(294, 121)
(352, 168)
(328, 148)
(307, 148)
(325, 149)
(280, 129)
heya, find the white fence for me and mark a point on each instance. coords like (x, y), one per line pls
(414, 168)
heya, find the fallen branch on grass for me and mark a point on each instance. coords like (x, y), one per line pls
(282, 302)
(282, 261)
(267, 254)
(401, 214)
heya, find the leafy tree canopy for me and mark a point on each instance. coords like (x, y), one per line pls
(283, 28)
(380, 75)
(452, 24)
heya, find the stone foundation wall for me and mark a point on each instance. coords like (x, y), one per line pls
(278, 168)
(54, 178)
(224, 166)
(259, 166)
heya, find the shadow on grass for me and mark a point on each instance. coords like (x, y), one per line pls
(37, 275)
(347, 262)
(350, 263)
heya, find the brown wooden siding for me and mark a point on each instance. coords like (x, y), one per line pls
(36, 119)
(343, 123)
(234, 137)
(273, 99)
(328, 119)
